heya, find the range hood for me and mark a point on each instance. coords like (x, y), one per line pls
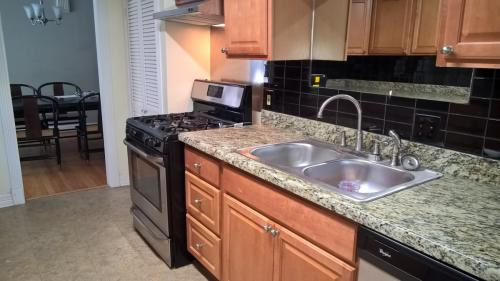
(208, 12)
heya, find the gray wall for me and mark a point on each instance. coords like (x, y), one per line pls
(65, 52)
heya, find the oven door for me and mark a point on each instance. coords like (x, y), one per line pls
(148, 185)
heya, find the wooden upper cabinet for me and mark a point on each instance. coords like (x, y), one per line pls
(296, 259)
(425, 26)
(282, 29)
(390, 27)
(247, 27)
(358, 36)
(470, 33)
(247, 246)
(393, 27)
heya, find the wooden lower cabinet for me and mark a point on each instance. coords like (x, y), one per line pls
(248, 230)
(296, 259)
(252, 253)
(247, 247)
(203, 202)
(204, 246)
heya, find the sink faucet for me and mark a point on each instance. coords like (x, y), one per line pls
(359, 136)
(396, 159)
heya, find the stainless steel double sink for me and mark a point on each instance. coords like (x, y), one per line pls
(338, 169)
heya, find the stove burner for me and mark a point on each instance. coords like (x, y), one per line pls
(164, 126)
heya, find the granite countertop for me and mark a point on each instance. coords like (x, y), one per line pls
(454, 220)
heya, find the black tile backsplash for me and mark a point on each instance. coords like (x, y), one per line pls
(472, 128)
(465, 143)
(465, 124)
(493, 129)
(476, 107)
(400, 114)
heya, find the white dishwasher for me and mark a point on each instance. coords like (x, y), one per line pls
(383, 259)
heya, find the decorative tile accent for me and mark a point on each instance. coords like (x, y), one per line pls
(408, 90)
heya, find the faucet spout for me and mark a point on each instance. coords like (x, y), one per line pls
(359, 135)
(396, 150)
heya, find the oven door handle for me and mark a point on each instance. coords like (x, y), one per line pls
(157, 160)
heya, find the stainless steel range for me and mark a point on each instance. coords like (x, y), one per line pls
(156, 163)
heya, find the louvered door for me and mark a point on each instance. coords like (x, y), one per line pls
(144, 68)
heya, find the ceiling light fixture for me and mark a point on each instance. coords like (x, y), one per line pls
(36, 13)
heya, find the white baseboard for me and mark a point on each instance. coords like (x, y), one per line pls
(6, 201)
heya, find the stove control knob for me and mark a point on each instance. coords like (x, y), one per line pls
(150, 142)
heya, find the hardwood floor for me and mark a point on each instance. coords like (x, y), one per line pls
(44, 177)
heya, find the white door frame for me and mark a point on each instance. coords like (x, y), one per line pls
(109, 22)
(8, 127)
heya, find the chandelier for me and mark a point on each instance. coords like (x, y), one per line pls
(36, 13)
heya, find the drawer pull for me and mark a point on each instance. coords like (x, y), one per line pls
(274, 232)
(198, 246)
(197, 166)
(198, 201)
(267, 228)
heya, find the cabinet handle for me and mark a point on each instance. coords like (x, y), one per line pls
(197, 166)
(198, 201)
(274, 232)
(447, 50)
(224, 50)
(198, 246)
(267, 228)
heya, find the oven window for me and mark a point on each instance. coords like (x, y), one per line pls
(146, 180)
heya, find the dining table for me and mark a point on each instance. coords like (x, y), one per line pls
(66, 103)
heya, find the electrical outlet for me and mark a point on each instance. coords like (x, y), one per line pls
(427, 128)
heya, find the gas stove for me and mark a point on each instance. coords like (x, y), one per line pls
(153, 131)
(216, 105)
(156, 163)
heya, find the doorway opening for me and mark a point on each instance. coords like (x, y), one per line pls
(54, 87)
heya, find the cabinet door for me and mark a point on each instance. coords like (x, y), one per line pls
(296, 259)
(358, 36)
(247, 27)
(390, 27)
(472, 31)
(247, 247)
(425, 26)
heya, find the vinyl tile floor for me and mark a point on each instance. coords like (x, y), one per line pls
(86, 235)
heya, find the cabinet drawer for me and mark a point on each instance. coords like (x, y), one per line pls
(202, 165)
(204, 246)
(331, 232)
(203, 202)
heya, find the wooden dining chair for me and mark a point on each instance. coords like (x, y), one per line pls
(89, 132)
(59, 89)
(35, 131)
(56, 89)
(17, 90)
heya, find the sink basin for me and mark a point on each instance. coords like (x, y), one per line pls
(337, 169)
(358, 175)
(363, 180)
(294, 154)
